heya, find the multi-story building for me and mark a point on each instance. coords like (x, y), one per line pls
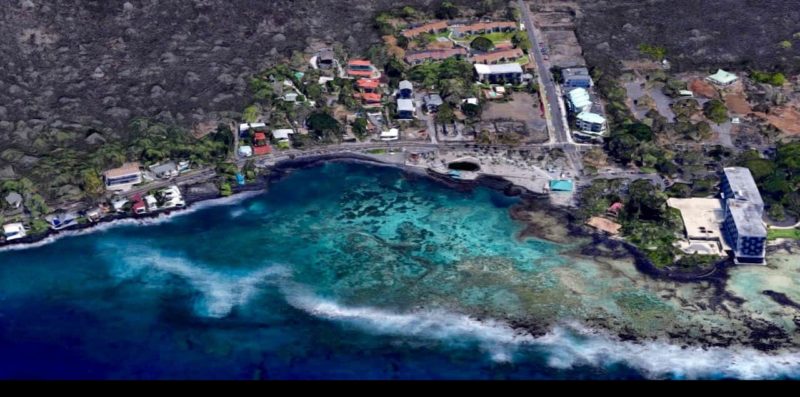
(591, 123)
(579, 100)
(123, 178)
(576, 78)
(497, 74)
(743, 228)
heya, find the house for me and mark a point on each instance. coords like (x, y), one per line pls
(417, 58)
(14, 200)
(391, 135)
(362, 68)
(165, 171)
(61, 221)
(579, 101)
(94, 214)
(483, 28)
(496, 57)
(14, 231)
(722, 78)
(405, 109)
(282, 135)
(501, 73)
(119, 204)
(576, 78)
(325, 59)
(245, 128)
(368, 85)
(406, 90)
(290, 97)
(744, 208)
(614, 209)
(431, 27)
(260, 144)
(123, 178)
(591, 123)
(371, 99)
(172, 197)
(245, 151)
(151, 202)
(432, 102)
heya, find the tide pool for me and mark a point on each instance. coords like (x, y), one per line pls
(340, 271)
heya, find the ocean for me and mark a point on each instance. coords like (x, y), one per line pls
(341, 271)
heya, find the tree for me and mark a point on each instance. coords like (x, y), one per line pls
(447, 10)
(250, 114)
(314, 91)
(360, 128)
(655, 52)
(716, 111)
(481, 44)
(640, 131)
(777, 212)
(521, 40)
(645, 201)
(471, 110)
(92, 184)
(445, 114)
(323, 125)
(623, 147)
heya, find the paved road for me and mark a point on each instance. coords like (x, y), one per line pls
(193, 176)
(546, 83)
(553, 105)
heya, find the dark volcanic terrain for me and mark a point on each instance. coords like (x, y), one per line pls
(736, 34)
(71, 65)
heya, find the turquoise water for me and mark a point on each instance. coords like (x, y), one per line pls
(339, 272)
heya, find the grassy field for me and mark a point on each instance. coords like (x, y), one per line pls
(774, 234)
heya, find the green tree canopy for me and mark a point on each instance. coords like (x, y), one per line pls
(716, 111)
(481, 44)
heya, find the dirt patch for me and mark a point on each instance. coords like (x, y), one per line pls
(703, 89)
(786, 119)
(523, 107)
(737, 103)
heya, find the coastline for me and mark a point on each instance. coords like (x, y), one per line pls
(759, 336)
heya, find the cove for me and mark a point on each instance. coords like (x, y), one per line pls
(339, 271)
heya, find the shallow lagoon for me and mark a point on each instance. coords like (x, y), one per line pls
(354, 271)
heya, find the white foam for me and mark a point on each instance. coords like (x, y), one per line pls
(566, 346)
(161, 218)
(221, 290)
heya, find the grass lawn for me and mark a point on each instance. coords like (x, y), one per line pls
(497, 37)
(774, 234)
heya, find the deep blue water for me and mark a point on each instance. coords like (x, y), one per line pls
(338, 272)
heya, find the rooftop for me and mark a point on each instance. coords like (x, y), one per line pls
(723, 77)
(126, 169)
(405, 105)
(359, 62)
(575, 72)
(747, 217)
(282, 134)
(502, 68)
(495, 56)
(702, 217)
(579, 98)
(368, 83)
(593, 118)
(433, 99)
(406, 85)
(743, 185)
(13, 198)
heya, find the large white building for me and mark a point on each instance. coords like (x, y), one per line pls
(591, 123)
(722, 78)
(501, 73)
(123, 178)
(579, 100)
(13, 231)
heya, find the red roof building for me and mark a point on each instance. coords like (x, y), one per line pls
(368, 85)
(432, 27)
(260, 144)
(360, 68)
(371, 98)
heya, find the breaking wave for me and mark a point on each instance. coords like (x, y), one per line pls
(565, 347)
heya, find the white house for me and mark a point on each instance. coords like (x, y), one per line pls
(579, 100)
(501, 73)
(282, 134)
(405, 109)
(14, 231)
(391, 135)
(591, 123)
(245, 151)
(722, 78)
(151, 202)
(123, 178)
